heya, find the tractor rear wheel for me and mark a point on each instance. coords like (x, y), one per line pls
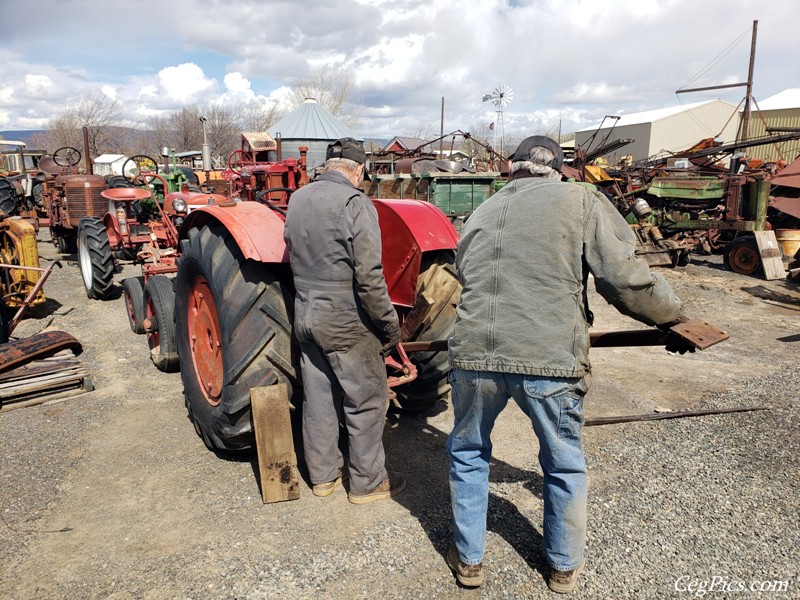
(95, 259)
(133, 293)
(742, 256)
(234, 328)
(438, 292)
(159, 311)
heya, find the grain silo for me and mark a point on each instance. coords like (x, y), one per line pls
(313, 126)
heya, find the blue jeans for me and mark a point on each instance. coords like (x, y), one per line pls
(555, 408)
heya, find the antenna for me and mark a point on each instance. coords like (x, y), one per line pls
(500, 97)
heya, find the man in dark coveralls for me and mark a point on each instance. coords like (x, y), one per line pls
(343, 319)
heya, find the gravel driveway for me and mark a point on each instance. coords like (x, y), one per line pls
(112, 495)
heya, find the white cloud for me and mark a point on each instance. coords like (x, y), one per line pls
(109, 92)
(36, 84)
(184, 83)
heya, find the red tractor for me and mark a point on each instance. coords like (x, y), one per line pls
(234, 304)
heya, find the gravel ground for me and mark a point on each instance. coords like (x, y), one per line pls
(112, 495)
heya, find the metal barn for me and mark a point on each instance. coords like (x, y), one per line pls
(663, 131)
(781, 111)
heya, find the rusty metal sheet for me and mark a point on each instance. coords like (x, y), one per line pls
(789, 175)
(790, 206)
(700, 334)
(20, 352)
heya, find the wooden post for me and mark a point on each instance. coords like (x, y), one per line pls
(277, 463)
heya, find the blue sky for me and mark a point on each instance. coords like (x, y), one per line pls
(572, 61)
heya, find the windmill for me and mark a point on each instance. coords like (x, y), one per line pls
(500, 97)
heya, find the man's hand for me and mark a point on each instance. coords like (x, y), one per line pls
(671, 324)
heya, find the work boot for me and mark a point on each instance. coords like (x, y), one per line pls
(327, 488)
(467, 575)
(391, 486)
(564, 582)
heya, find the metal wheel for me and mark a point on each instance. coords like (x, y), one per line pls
(238, 160)
(742, 255)
(133, 168)
(67, 156)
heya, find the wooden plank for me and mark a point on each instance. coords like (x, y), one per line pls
(58, 397)
(277, 462)
(770, 255)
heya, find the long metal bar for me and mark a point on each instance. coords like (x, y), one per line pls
(749, 97)
(32, 294)
(669, 415)
(686, 335)
(711, 87)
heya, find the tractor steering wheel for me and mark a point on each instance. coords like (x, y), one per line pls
(67, 156)
(240, 159)
(133, 168)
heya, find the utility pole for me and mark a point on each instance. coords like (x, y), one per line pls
(743, 133)
(441, 132)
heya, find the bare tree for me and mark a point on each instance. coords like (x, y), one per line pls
(179, 131)
(422, 131)
(97, 112)
(224, 131)
(259, 116)
(332, 87)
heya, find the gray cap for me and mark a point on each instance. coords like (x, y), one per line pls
(523, 151)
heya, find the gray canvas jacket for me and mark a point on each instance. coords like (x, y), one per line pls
(524, 258)
(334, 246)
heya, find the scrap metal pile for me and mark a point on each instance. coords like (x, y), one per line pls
(709, 198)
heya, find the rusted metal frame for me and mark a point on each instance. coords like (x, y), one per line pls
(172, 233)
(33, 293)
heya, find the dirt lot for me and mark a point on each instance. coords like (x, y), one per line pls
(112, 495)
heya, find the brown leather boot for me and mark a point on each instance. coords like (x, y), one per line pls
(467, 575)
(564, 582)
(391, 486)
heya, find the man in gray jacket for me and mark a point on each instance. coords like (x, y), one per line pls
(522, 332)
(343, 318)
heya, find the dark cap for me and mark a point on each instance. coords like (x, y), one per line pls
(347, 148)
(523, 151)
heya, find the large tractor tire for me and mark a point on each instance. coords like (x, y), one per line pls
(95, 259)
(741, 255)
(133, 293)
(438, 292)
(234, 328)
(159, 323)
(8, 202)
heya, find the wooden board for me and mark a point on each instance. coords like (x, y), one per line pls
(770, 255)
(277, 462)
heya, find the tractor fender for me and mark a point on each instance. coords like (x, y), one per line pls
(409, 228)
(256, 229)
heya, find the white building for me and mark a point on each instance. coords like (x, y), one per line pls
(664, 131)
(110, 164)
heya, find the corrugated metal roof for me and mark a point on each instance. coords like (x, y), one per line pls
(649, 116)
(786, 99)
(310, 121)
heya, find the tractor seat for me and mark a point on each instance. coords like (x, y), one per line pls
(125, 194)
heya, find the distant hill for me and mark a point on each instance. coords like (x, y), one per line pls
(23, 135)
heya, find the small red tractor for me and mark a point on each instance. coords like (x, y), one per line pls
(234, 295)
